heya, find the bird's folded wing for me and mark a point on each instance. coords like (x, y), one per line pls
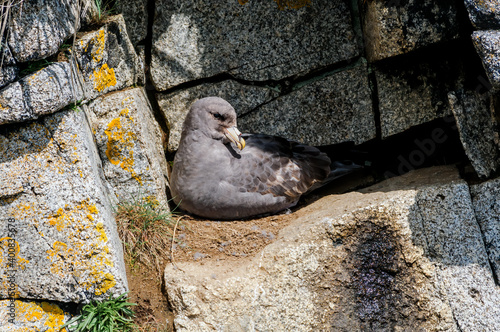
(274, 165)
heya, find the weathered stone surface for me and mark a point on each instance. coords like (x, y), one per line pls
(397, 27)
(46, 91)
(335, 109)
(8, 66)
(135, 13)
(175, 106)
(107, 60)
(477, 133)
(485, 197)
(415, 93)
(128, 140)
(56, 215)
(31, 316)
(13, 107)
(193, 40)
(38, 28)
(484, 14)
(487, 45)
(404, 255)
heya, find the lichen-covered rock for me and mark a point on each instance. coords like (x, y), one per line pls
(135, 13)
(255, 41)
(244, 98)
(485, 197)
(334, 109)
(404, 255)
(38, 28)
(397, 27)
(477, 130)
(45, 91)
(107, 60)
(487, 44)
(128, 140)
(413, 92)
(58, 234)
(484, 14)
(22, 315)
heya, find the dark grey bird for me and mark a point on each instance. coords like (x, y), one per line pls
(219, 173)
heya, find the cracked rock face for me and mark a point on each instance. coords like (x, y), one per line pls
(406, 254)
(334, 109)
(57, 218)
(255, 41)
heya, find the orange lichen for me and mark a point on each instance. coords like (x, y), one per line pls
(120, 144)
(7, 262)
(50, 314)
(103, 78)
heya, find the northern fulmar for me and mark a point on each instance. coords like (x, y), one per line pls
(259, 174)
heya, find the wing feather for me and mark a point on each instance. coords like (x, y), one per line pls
(278, 166)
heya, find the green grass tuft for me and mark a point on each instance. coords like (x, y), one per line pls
(112, 314)
(146, 229)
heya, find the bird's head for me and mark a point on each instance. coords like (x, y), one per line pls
(215, 118)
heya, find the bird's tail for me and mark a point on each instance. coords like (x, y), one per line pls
(338, 170)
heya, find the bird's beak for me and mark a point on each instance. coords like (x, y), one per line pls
(234, 135)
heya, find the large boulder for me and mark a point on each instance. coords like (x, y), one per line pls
(487, 45)
(256, 41)
(398, 27)
(128, 140)
(479, 137)
(37, 28)
(484, 14)
(404, 255)
(107, 60)
(58, 237)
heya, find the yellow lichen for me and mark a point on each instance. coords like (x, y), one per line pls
(51, 314)
(120, 143)
(103, 78)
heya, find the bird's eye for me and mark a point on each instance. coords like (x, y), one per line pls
(219, 116)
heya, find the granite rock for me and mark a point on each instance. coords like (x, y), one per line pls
(334, 109)
(411, 92)
(256, 41)
(128, 140)
(487, 207)
(484, 14)
(135, 14)
(22, 315)
(8, 65)
(404, 255)
(487, 44)
(38, 28)
(398, 27)
(107, 60)
(477, 130)
(45, 91)
(244, 98)
(56, 214)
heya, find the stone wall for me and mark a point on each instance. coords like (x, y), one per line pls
(82, 124)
